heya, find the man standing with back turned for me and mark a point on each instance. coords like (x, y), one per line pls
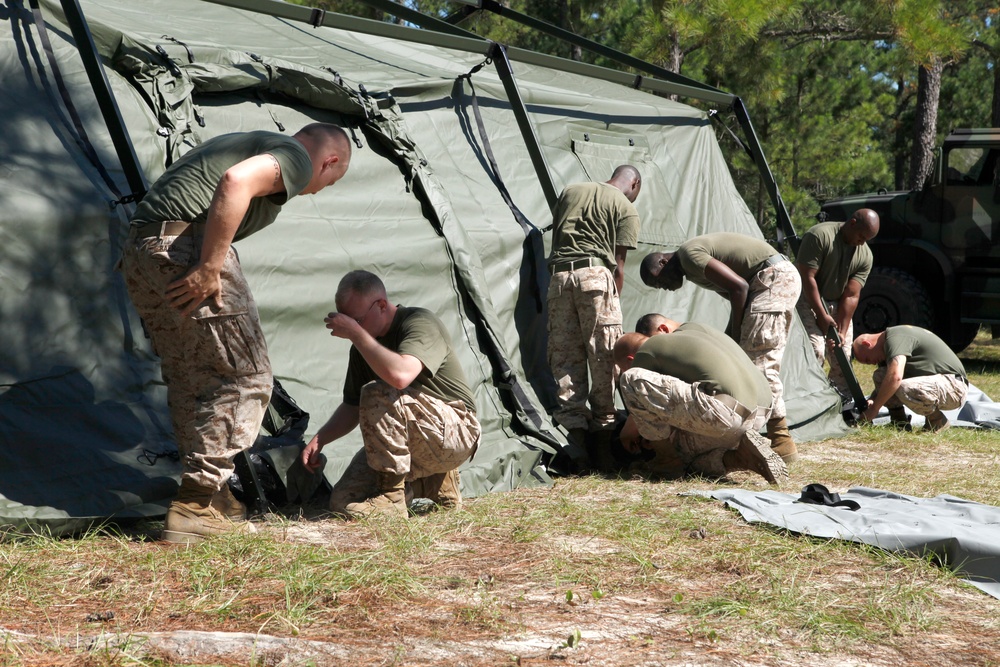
(185, 280)
(834, 261)
(595, 225)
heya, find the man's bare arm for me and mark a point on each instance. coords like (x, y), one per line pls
(342, 422)
(620, 253)
(398, 370)
(254, 177)
(893, 377)
(846, 306)
(735, 288)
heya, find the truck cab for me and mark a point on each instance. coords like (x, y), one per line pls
(937, 253)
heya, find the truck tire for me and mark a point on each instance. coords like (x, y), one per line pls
(966, 334)
(891, 297)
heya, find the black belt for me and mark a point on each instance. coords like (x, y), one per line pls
(769, 262)
(575, 264)
(734, 405)
(170, 228)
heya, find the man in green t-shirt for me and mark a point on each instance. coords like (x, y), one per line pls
(595, 225)
(696, 392)
(762, 288)
(834, 261)
(917, 370)
(406, 389)
(185, 280)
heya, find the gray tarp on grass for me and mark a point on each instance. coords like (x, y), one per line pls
(84, 413)
(962, 534)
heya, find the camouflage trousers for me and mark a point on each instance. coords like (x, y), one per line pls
(409, 432)
(584, 323)
(767, 320)
(214, 362)
(700, 426)
(818, 340)
(927, 393)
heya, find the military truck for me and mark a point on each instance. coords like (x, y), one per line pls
(937, 253)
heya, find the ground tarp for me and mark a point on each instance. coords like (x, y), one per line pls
(84, 431)
(963, 535)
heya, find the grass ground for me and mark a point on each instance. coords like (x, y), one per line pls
(592, 571)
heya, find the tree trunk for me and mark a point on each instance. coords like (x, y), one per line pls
(925, 124)
(899, 139)
(676, 53)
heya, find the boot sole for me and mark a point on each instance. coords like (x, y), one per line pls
(177, 537)
(766, 462)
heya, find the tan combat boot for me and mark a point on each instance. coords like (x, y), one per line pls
(358, 483)
(936, 421)
(754, 453)
(442, 489)
(781, 440)
(391, 500)
(228, 505)
(192, 517)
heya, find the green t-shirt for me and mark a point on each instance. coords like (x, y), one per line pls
(590, 220)
(836, 262)
(741, 253)
(698, 353)
(925, 353)
(184, 191)
(418, 333)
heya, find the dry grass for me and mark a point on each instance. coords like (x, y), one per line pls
(592, 571)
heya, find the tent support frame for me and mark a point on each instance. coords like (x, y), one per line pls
(785, 230)
(105, 97)
(499, 56)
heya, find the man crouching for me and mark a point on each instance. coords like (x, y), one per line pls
(695, 390)
(405, 388)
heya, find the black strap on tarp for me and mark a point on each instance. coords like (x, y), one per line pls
(530, 230)
(817, 494)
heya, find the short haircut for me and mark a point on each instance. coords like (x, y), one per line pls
(359, 281)
(329, 135)
(649, 323)
(627, 172)
(649, 268)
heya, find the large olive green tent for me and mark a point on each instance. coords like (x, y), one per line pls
(447, 199)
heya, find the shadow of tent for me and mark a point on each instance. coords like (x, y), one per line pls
(64, 455)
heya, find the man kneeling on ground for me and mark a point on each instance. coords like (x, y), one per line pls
(406, 389)
(916, 369)
(696, 388)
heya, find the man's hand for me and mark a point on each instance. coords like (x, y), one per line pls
(869, 414)
(343, 326)
(189, 291)
(310, 456)
(824, 321)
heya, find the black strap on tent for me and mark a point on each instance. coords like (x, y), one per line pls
(526, 226)
(177, 41)
(81, 137)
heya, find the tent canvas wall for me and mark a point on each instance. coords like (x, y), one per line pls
(83, 411)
